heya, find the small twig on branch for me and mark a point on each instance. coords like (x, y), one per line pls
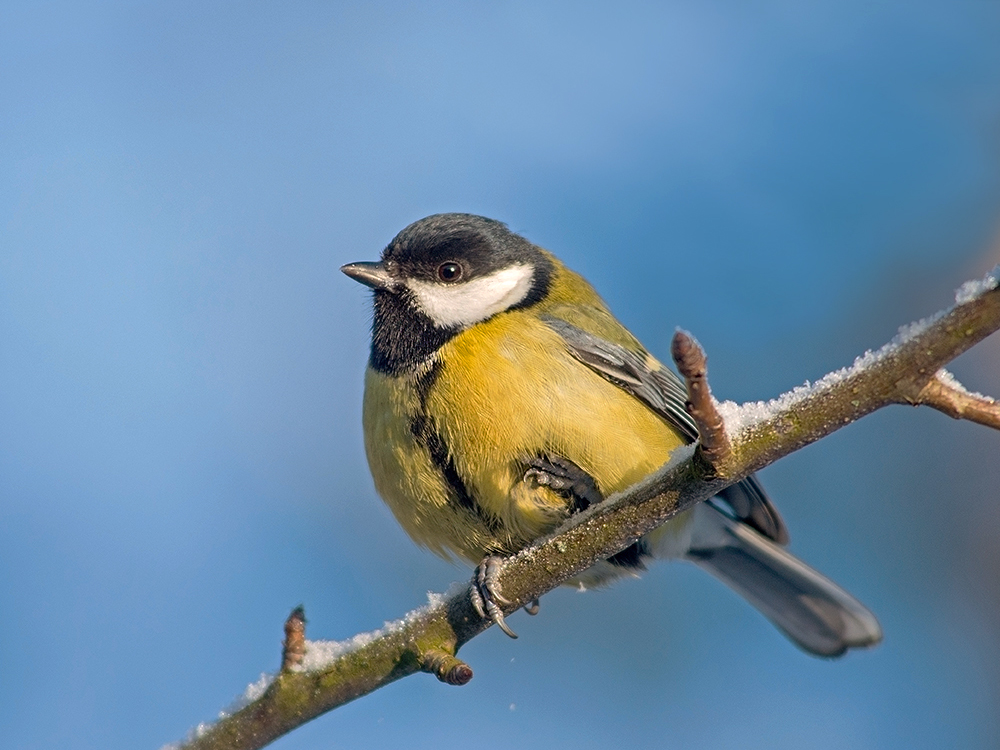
(294, 647)
(446, 667)
(947, 395)
(692, 365)
(758, 434)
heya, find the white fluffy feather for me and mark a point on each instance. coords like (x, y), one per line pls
(468, 303)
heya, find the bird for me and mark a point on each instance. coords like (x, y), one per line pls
(502, 396)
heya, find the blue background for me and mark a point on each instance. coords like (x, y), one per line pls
(181, 361)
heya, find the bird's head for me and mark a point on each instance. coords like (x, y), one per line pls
(442, 275)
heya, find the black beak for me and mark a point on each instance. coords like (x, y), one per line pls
(369, 274)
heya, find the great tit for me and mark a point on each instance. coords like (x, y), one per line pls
(502, 395)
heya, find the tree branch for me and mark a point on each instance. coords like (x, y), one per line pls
(906, 370)
(946, 394)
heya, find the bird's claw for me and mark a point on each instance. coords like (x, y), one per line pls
(539, 477)
(532, 607)
(485, 593)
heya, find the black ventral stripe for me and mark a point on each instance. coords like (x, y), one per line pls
(424, 431)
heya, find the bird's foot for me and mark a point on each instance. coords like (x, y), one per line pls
(485, 593)
(564, 477)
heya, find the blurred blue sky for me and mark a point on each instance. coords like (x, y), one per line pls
(181, 361)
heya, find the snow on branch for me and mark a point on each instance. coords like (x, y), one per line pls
(317, 676)
(897, 373)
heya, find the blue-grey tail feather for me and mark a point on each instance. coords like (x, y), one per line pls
(813, 611)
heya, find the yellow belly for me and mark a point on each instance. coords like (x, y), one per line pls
(508, 391)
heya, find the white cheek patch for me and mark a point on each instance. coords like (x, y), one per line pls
(464, 304)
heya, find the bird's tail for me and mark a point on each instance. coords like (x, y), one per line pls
(813, 611)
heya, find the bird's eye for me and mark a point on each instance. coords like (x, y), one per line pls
(449, 271)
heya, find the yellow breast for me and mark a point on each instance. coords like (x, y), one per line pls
(505, 391)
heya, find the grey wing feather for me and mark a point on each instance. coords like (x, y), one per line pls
(663, 392)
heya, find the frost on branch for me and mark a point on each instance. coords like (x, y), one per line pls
(972, 290)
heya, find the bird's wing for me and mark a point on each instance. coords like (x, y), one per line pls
(638, 373)
(633, 371)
